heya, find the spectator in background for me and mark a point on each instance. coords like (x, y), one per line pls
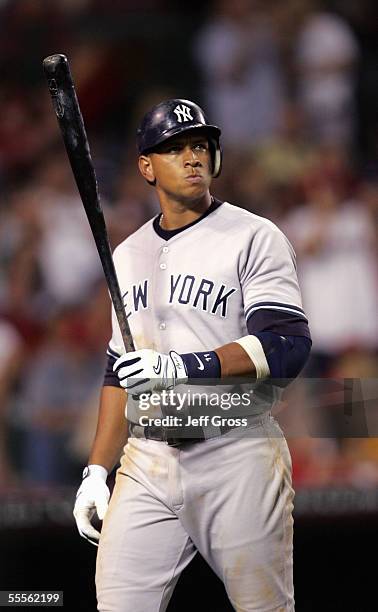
(55, 387)
(20, 279)
(19, 228)
(284, 160)
(335, 241)
(98, 329)
(286, 157)
(68, 258)
(47, 245)
(26, 129)
(325, 56)
(237, 54)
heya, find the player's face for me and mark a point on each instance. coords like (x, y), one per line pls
(181, 166)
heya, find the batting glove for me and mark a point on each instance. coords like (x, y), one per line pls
(92, 496)
(146, 370)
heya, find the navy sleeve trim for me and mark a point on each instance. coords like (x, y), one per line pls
(112, 353)
(110, 378)
(289, 308)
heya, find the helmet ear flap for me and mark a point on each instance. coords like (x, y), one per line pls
(216, 157)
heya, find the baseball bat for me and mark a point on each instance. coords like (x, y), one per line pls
(70, 120)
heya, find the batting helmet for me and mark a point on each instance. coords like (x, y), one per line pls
(173, 117)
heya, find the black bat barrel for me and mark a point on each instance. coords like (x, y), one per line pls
(67, 110)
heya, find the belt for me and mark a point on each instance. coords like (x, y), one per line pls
(169, 435)
(173, 435)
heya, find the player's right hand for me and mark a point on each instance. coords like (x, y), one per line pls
(92, 496)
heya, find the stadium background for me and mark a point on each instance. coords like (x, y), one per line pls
(294, 86)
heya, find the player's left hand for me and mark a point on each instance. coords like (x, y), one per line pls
(146, 370)
(92, 496)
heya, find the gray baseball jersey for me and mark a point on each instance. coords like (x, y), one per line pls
(197, 291)
(228, 497)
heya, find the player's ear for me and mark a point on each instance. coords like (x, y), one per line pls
(146, 169)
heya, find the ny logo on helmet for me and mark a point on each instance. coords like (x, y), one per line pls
(183, 113)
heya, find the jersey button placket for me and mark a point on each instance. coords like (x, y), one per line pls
(163, 267)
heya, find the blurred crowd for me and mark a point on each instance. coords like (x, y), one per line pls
(288, 83)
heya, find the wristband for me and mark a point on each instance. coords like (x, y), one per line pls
(95, 470)
(202, 365)
(255, 351)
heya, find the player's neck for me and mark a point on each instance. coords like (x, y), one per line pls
(178, 214)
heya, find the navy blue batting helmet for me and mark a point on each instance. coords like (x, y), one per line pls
(173, 117)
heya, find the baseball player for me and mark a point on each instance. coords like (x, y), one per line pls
(211, 293)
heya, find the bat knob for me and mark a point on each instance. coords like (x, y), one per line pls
(57, 71)
(53, 63)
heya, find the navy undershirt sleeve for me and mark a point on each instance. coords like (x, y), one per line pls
(286, 341)
(110, 378)
(279, 322)
(286, 355)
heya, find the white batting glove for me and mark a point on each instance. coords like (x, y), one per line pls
(92, 496)
(146, 370)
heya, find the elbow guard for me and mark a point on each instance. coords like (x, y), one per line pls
(286, 355)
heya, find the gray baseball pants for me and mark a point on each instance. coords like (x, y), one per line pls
(229, 498)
